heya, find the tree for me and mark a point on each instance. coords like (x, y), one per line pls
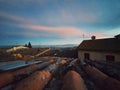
(26, 45)
(29, 45)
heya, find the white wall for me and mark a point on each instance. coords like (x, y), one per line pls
(98, 55)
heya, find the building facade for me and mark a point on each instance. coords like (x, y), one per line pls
(100, 49)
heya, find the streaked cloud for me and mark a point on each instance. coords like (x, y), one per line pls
(58, 32)
(16, 18)
(61, 31)
(12, 17)
(70, 20)
(35, 30)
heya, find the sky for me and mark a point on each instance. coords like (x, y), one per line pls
(54, 22)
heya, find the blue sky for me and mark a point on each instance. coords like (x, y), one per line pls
(57, 21)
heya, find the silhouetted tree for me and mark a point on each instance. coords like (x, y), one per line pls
(29, 45)
(26, 45)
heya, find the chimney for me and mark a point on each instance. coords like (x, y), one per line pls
(93, 37)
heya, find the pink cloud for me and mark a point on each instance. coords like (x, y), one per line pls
(15, 18)
(62, 31)
(101, 35)
(98, 35)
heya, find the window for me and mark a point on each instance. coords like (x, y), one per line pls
(110, 58)
(87, 56)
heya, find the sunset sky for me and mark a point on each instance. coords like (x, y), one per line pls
(54, 22)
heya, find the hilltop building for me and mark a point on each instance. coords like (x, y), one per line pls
(100, 49)
(16, 48)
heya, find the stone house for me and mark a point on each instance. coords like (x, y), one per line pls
(107, 49)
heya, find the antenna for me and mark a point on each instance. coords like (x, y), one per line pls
(83, 36)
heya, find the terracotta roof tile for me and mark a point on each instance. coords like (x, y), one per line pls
(109, 44)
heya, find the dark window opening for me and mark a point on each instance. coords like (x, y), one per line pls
(110, 58)
(87, 56)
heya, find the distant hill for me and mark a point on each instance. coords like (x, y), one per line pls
(55, 46)
(44, 46)
(6, 46)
